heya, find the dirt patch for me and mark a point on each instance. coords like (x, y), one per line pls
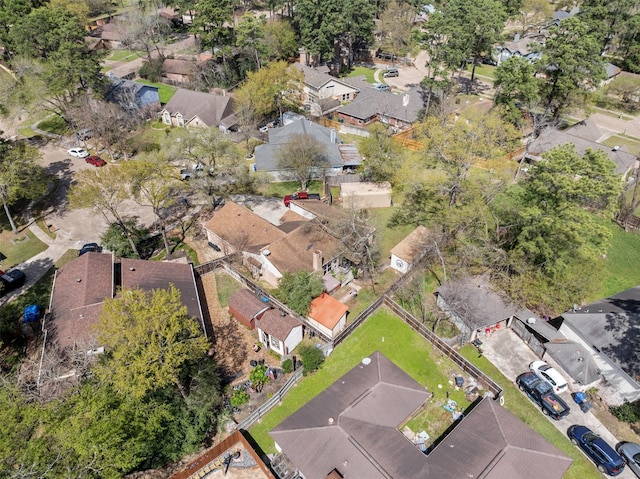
(621, 430)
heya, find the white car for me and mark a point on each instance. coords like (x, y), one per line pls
(78, 152)
(549, 375)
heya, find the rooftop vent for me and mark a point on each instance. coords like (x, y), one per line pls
(132, 269)
(531, 320)
(331, 420)
(266, 252)
(79, 280)
(616, 148)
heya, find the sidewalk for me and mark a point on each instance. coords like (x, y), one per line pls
(512, 357)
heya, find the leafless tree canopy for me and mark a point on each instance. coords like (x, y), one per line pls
(304, 156)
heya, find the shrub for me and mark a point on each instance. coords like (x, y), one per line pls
(287, 366)
(627, 412)
(152, 70)
(312, 358)
(240, 397)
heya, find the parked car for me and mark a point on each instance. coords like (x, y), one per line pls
(95, 160)
(11, 280)
(605, 457)
(488, 61)
(549, 375)
(301, 195)
(78, 152)
(89, 248)
(84, 134)
(542, 394)
(391, 72)
(380, 87)
(630, 452)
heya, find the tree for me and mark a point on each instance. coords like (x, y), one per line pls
(304, 156)
(357, 27)
(571, 64)
(265, 91)
(210, 22)
(607, 19)
(383, 156)
(151, 339)
(516, 87)
(258, 377)
(280, 40)
(250, 34)
(20, 175)
(104, 190)
(533, 12)
(298, 290)
(555, 224)
(394, 28)
(319, 23)
(144, 31)
(312, 358)
(115, 239)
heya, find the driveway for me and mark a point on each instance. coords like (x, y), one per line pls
(512, 357)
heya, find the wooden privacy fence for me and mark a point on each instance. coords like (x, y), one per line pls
(443, 347)
(271, 402)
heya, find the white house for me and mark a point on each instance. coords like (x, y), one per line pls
(279, 331)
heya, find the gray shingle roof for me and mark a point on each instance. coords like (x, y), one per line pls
(371, 102)
(315, 78)
(211, 109)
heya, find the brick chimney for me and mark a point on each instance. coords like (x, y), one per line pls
(317, 260)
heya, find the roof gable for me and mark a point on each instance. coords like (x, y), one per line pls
(246, 303)
(327, 310)
(277, 324)
(211, 109)
(371, 102)
(412, 246)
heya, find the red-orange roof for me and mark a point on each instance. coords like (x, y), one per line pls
(327, 310)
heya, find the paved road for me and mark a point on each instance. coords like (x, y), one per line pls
(512, 357)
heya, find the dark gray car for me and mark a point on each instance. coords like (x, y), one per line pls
(630, 452)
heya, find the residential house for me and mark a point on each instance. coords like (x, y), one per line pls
(560, 15)
(193, 108)
(355, 424)
(608, 329)
(133, 96)
(410, 250)
(328, 315)
(81, 287)
(364, 195)
(111, 34)
(475, 307)
(371, 105)
(279, 331)
(324, 93)
(584, 135)
(338, 158)
(268, 250)
(611, 71)
(246, 307)
(178, 71)
(528, 47)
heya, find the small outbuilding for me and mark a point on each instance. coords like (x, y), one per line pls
(247, 307)
(409, 251)
(360, 196)
(279, 331)
(328, 314)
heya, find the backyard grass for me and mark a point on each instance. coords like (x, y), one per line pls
(225, 286)
(387, 333)
(388, 237)
(122, 56)
(164, 91)
(18, 248)
(54, 124)
(632, 144)
(27, 132)
(621, 266)
(486, 71)
(367, 72)
(523, 408)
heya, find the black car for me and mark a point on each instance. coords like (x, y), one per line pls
(89, 248)
(11, 280)
(542, 394)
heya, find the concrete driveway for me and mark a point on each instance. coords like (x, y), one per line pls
(82, 225)
(512, 357)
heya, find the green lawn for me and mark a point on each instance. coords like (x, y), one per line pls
(225, 286)
(632, 144)
(387, 333)
(524, 409)
(122, 56)
(165, 91)
(54, 124)
(18, 248)
(486, 71)
(367, 72)
(388, 237)
(623, 257)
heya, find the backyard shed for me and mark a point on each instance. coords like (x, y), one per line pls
(247, 307)
(406, 253)
(328, 314)
(365, 195)
(279, 331)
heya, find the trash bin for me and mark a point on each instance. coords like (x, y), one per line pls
(459, 381)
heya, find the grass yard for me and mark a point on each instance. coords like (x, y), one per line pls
(225, 286)
(388, 237)
(632, 144)
(367, 72)
(623, 257)
(390, 335)
(27, 132)
(164, 91)
(18, 248)
(54, 124)
(122, 56)
(484, 71)
(524, 409)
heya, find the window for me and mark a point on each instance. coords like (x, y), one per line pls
(345, 96)
(180, 120)
(166, 118)
(275, 344)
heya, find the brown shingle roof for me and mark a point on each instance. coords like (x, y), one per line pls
(413, 246)
(237, 225)
(492, 443)
(327, 310)
(79, 289)
(246, 303)
(180, 67)
(275, 324)
(352, 426)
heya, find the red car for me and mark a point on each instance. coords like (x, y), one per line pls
(95, 160)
